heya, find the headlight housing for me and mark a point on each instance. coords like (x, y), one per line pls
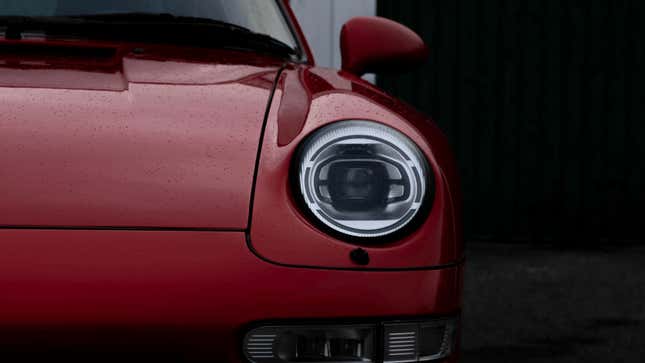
(362, 179)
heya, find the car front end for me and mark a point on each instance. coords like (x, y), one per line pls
(216, 199)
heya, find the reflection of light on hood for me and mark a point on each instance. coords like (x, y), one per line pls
(175, 72)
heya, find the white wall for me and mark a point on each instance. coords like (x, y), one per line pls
(321, 21)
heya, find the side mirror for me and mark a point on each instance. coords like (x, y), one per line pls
(378, 45)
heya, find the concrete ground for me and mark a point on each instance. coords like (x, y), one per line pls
(538, 304)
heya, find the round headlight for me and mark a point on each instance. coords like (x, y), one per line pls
(362, 178)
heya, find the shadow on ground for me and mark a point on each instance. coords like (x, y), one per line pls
(535, 304)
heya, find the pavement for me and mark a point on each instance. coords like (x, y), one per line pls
(534, 303)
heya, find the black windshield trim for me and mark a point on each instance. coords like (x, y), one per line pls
(204, 34)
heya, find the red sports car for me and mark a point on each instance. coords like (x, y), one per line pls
(180, 182)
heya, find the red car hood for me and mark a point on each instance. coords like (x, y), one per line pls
(98, 136)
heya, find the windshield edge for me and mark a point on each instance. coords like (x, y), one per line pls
(303, 52)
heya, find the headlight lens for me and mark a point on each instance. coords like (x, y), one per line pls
(362, 179)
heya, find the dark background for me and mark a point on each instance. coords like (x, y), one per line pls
(542, 102)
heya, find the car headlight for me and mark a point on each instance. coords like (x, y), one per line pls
(362, 179)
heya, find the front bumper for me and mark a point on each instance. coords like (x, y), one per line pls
(191, 293)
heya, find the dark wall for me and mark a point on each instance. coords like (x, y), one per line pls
(543, 103)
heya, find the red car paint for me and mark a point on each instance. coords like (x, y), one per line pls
(183, 283)
(145, 201)
(373, 44)
(119, 152)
